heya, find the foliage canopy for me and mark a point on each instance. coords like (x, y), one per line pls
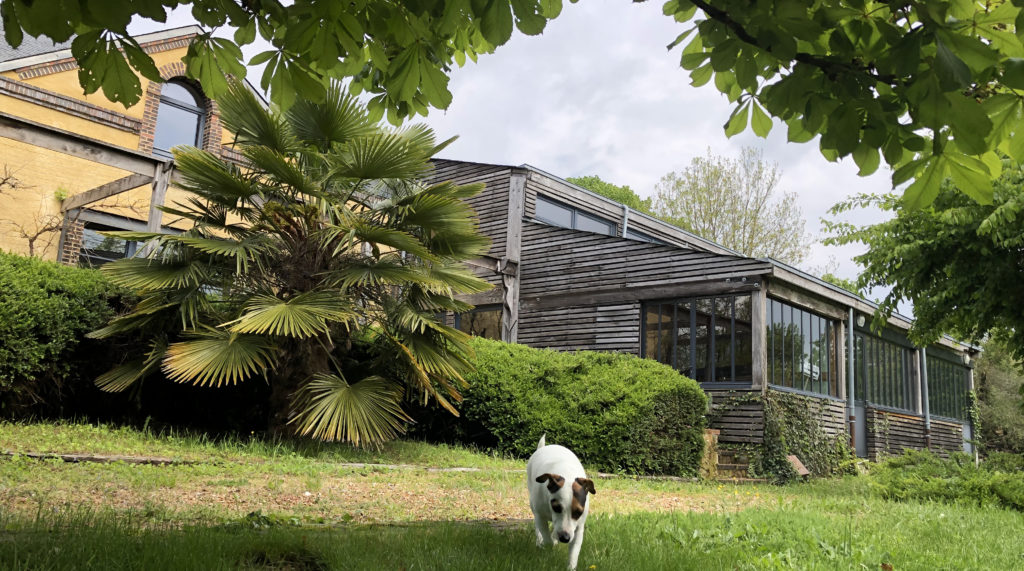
(621, 194)
(932, 87)
(958, 262)
(319, 267)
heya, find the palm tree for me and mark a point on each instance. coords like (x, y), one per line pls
(320, 267)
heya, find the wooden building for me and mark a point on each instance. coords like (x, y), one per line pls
(573, 270)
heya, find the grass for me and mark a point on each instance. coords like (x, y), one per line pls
(236, 509)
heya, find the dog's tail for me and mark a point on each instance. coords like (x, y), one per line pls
(542, 443)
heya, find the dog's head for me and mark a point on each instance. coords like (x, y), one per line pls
(568, 503)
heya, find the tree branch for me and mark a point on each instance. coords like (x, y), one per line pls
(831, 67)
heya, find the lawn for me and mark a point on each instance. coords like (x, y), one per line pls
(255, 505)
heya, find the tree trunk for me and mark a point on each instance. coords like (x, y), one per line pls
(300, 360)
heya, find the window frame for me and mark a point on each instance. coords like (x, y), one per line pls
(196, 108)
(884, 354)
(575, 214)
(806, 321)
(940, 393)
(457, 319)
(710, 358)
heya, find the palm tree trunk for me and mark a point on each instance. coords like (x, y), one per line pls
(300, 360)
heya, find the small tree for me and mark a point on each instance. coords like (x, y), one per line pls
(734, 202)
(621, 194)
(319, 267)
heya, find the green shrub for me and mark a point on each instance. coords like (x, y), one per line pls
(921, 475)
(45, 311)
(616, 412)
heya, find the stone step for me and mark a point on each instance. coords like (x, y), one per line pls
(745, 480)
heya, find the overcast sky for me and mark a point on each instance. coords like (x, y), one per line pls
(598, 93)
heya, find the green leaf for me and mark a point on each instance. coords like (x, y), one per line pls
(953, 73)
(969, 122)
(925, 188)
(120, 84)
(867, 159)
(300, 317)
(971, 176)
(496, 22)
(760, 121)
(701, 75)
(1013, 73)
(738, 121)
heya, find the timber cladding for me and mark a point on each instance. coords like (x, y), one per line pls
(613, 327)
(890, 433)
(738, 415)
(491, 205)
(562, 261)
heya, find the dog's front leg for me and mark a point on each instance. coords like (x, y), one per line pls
(541, 526)
(574, 546)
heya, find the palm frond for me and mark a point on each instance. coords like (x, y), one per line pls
(369, 273)
(392, 238)
(301, 317)
(217, 358)
(209, 176)
(380, 156)
(281, 170)
(364, 413)
(148, 275)
(455, 278)
(339, 118)
(251, 122)
(123, 376)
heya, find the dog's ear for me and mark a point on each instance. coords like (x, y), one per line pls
(554, 481)
(587, 484)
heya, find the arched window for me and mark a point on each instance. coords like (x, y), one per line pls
(179, 119)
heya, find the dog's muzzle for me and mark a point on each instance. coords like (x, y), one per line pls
(564, 536)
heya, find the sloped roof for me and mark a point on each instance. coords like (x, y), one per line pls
(29, 47)
(34, 51)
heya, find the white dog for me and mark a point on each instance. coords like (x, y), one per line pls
(551, 500)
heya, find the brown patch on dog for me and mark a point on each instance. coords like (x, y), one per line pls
(580, 488)
(555, 482)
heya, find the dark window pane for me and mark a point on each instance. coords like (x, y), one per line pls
(98, 249)
(702, 335)
(723, 339)
(552, 213)
(651, 332)
(175, 126)
(683, 337)
(743, 349)
(484, 323)
(594, 224)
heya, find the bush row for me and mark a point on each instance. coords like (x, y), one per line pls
(45, 311)
(617, 412)
(921, 475)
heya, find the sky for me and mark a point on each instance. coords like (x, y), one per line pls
(598, 94)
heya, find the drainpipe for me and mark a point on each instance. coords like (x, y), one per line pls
(625, 220)
(924, 399)
(850, 382)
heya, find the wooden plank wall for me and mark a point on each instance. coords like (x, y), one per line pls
(739, 422)
(558, 261)
(947, 437)
(613, 327)
(890, 433)
(491, 205)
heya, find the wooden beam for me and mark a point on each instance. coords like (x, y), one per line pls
(594, 296)
(104, 191)
(72, 144)
(489, 297)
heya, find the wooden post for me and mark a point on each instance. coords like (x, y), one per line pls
(513, 249)
(161, 179)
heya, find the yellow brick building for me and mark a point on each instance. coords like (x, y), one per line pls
(72, 165)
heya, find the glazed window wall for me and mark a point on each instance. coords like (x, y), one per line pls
(947, 387)
(705, 338)
(884, 373)
(801, 350)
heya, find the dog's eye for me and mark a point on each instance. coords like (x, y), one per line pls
(556, 507)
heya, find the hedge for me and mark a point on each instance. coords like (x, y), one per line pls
(616, 412)
(45, 311)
